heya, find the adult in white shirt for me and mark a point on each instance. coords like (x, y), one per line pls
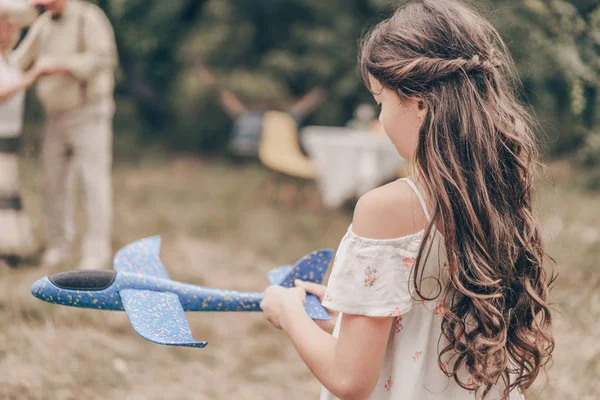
(79, 107)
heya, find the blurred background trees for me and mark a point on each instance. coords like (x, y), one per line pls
(272, 50)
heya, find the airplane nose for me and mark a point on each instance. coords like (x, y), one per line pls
(84, 279)
(38, 289)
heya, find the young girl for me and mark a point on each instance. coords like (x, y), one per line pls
(438, 282)
(16, 237)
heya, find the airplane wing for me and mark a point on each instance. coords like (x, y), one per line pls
(158, 317)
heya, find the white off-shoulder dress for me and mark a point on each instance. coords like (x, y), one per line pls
(373, 278)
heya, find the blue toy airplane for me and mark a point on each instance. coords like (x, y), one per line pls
(155, 304)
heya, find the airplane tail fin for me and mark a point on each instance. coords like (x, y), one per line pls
(311, 268)
(141, 257)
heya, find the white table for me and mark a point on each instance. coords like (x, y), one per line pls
(349, 163)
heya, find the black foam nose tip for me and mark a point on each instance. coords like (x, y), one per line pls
(84, 279)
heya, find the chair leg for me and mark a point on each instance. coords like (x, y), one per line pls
(297, 200)
(301, 192)
(313, 198)
(270, 188)
(275, 198)
(264, 189)
(288, 190)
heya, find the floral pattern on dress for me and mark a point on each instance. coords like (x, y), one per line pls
(370, 276)
(389, 383)
(327, 298)
(417, 355)
(441, 309)
(471, 384)
(398, 325)
(444, 367)
(449, 268)
(396, 313)
(408, 262)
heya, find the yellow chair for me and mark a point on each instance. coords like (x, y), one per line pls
(279, 150)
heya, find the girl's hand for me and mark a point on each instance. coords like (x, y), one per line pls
(319, 291)
(280, 303)
(29, 77)
(6, 31)
(47, 70)
(39, 71)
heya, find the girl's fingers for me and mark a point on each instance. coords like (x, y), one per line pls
(312, 288)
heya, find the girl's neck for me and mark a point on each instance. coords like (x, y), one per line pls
(413, 174)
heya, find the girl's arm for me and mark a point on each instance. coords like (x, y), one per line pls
(348, 366)
(231, 103)
(25, 55)
(308, 102)
(28, 79)
(7, 92)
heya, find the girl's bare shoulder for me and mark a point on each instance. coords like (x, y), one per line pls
(389, 212)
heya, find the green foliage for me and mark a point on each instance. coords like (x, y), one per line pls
(556, 45)
(267, 50)
(275, 50)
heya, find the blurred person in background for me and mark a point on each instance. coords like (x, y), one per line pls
(365, 119)
(16, 236)
(363, 115)
(79, 108)
(247, 121)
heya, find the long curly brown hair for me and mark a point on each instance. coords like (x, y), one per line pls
(476, 156)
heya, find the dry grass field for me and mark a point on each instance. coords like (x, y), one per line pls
(218, 231)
